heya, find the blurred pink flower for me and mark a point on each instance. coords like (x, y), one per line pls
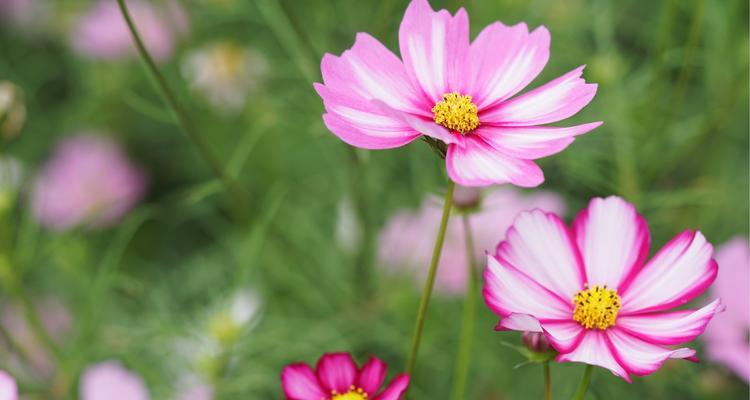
(408, 237)
(88, 181)
(457, 93)
(8, 388)
(336, 377)
(102, 32)
(726, 336)
(589, 289)
(111, 381)
(194, 388)
(56, 320)
(23, 14)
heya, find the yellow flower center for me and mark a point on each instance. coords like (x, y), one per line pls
(456, 112)
(596, 307)
(354, 393)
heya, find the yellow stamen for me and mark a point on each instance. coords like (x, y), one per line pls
(456, 112)
(354, 393)
(596, 307)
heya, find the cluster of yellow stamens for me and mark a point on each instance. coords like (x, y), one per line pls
(596, 307)
(456, 112)
(354, 393)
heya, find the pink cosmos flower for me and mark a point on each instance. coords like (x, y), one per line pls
(8, 388)
(336, 377)
(590, 291)
(88, 181)
(408, 237)
(111, 381)
(457, 93)
(725, 338)
(102, 33)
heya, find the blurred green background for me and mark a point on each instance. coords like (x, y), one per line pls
(673, 95)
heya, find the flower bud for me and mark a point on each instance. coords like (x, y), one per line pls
(536, 342)
(465, 197)
(12, 110)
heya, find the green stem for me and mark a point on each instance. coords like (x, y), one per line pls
(584, 385)
(427, 292)
(364, 256)
(547, 382)
(182, 119)
(465, 343)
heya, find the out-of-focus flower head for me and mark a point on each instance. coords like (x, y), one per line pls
(12, 110)
(233, 316)
(226, 74)
(8, 388)
(406, 241)
(336, 377)
(726, 336)
(348, 227)
(194, 388)
(458, 95)
(591, 292)
(57, 322)
(109, 380)
(89, 182)
(102, 33)
(23, 14)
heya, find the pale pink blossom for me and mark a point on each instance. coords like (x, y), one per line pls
(109, 380)
(102, 33)
(589, 289)
(88, 181)
(8, 388)
(23, 14)
(194, 388)
(406, 242)
(457, 93)
(336, 377)
(726, 336)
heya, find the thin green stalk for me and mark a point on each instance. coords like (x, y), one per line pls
(584, 385)
(461, 372)
(182, 119)
(547, 382)
(364, 256)
(427, 292)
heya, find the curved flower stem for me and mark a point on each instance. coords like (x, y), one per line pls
(427, 292)
(547, 382)
(205, 151)
(584, 385)
(461, 372)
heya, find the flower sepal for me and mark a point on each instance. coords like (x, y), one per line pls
(532, 356)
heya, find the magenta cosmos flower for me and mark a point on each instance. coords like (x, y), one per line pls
(111, 381)
(8, 388)
(455, 92)
(726, 337)
(88, 181)
(406, 241)
(102, 33)
(336, 377)
(590, 291)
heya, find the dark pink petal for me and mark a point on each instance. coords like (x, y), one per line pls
(435, 48)
(672, 327)
(371, 375)
(540, 245)
(336, 371)
(595, 349)
(640, 357)
(370, 71)
(299, 383)
(396, 389)
(613, 239)
(363, 123)
(503, 60)
(552, 102)
(480, 164)
(508, 291)
(678, 273)
(530, 143)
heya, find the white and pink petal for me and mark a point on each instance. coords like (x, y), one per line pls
(532, 142)
(595, 349)
(678, 273)
(551, 102)
(477, 163)
(613, 239)
(670, 328)
(639, 357)
(540, 245)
